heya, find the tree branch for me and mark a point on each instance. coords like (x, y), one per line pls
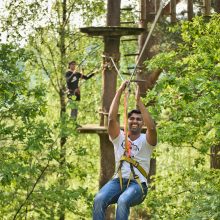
(35, 184)
(32, 190)
(45, 69)
(199, 150)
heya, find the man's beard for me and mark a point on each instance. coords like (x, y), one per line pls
(135, 131)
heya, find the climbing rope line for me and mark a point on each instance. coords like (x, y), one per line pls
(127, 143)
(93, 50)
(116, 69)
(162, 5)
(127, 91)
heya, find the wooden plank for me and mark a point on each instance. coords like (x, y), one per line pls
(112, 31)
(129, 39)
(127, 9)
(97, 129)
(131, 54)
(92, 129)
(127, 22)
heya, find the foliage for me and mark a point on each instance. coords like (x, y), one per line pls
(30, 152)
(39, 179)
(187, 112)
(189, 194)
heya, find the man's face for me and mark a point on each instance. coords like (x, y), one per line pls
(72, 66)
(135, 123)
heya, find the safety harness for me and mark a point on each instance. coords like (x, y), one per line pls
(127, 154)
(133, 163)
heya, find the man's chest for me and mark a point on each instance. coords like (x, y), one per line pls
(134, 146)
(74, 79)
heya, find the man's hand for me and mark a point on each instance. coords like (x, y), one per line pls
(123, 85)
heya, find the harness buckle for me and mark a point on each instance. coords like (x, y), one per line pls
(136, 164)
(136, 177)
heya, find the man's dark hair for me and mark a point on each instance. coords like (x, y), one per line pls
(136, 111)
(72, 62)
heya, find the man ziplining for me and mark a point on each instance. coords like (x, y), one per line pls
(72, 81)
(132, 151)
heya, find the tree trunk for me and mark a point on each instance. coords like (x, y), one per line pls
(62, 162)
(63, 137)
(207, 7)
(173, 11)
(107, 167)
(111, 49)
(190, 9)
(215, 157)
(217, 6)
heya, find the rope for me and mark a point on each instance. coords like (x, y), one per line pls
(116, 68)
(126, 96)
(127, 143)
(162, 5)
(93, 50)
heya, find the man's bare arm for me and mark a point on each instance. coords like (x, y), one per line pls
(151, 133)
(113, 124)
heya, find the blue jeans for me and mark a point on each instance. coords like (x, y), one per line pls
(111, 193)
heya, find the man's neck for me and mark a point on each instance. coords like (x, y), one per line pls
(134, 136)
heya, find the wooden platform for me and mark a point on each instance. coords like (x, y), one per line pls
(92, 129)
(97, 129)
(112, 31)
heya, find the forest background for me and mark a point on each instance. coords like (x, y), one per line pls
(50, 171)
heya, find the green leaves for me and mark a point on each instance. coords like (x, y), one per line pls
(188, 194)
(162, 60)
(187, 98)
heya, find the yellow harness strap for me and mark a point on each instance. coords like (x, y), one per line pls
(120, 178)
(136, 177)
(135, 164)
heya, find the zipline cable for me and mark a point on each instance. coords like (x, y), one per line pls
(162, 5)
(90, 53)
(127, 143)
(116, 68)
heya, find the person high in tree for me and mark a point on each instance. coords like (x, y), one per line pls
(72, 81)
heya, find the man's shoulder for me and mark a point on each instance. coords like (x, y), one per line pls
(78, 73)
(118, 138)
(144, 140)
(68, 73)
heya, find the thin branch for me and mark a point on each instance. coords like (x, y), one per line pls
(72, 41)
(45, 69)
(54, 65)
(199, 150)
(50, 50)
(188, 190)
(32, 190)
(69, 10)
(36, 182)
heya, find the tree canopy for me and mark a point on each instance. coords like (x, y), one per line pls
(48, 169)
